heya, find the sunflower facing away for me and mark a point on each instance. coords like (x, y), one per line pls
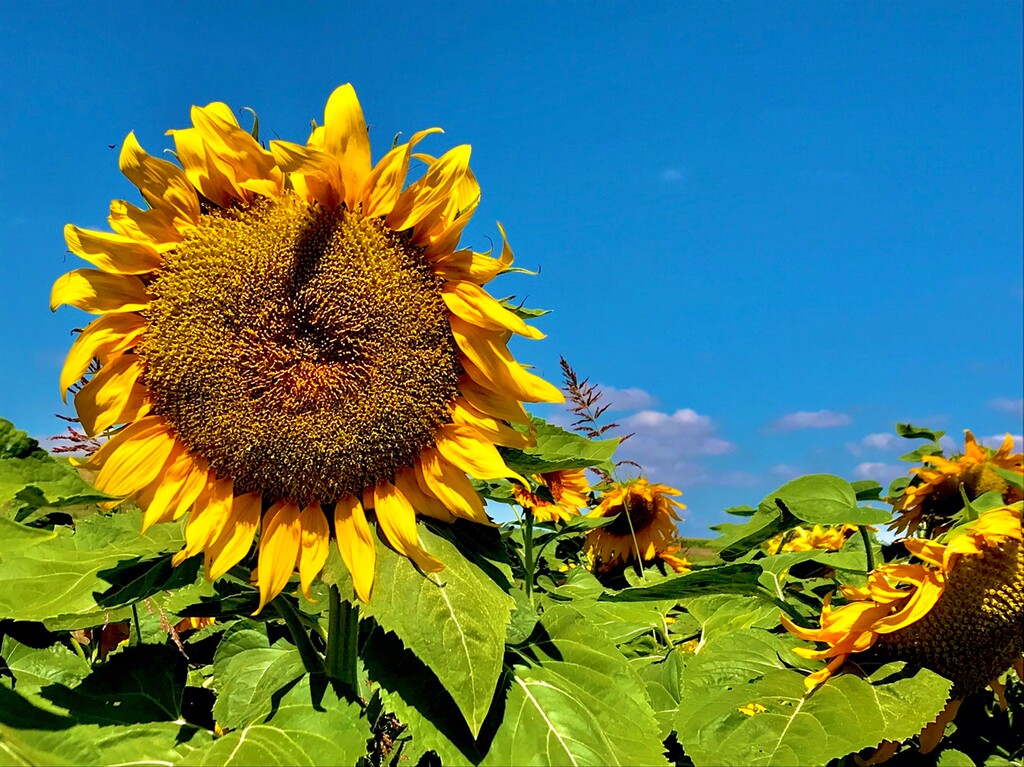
(958, 610)
(644, 528)
(934, 493)
(569, 491)
(291, 338)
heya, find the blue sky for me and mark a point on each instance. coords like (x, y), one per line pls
(772, 230)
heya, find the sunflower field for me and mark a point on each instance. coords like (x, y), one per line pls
(276, 531)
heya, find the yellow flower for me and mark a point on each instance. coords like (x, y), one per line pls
(569, 491)
(645, 526)
(958, 611)
(293, 337)
(934, 493)
(752, 709)
(802, 539)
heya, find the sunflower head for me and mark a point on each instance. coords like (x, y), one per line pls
(957, 610)
(294, 344)
(933, 496)
(824, 538)
(560, 494)
(644, 526)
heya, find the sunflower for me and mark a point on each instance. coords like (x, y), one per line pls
(568, 489)
(957, 611)
(644, 528)
(818, 537)
(292, 338)
(934, 493)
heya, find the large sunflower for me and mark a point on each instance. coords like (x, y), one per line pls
(934, 493)
(294, 337)
(958, 610)
(644, 526)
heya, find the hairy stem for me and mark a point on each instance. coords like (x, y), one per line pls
(311, 659)
(342, 640)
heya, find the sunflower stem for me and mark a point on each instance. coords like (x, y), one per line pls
(137, 638)
(868, 553)
(342, 640)
(528, 553)
(310, 657)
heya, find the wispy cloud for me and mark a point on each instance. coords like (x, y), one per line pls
(884, 441)
(1007, 405)
(672, 446)
(883, 473)
(809, 419)
(997, 439)
(627, 399)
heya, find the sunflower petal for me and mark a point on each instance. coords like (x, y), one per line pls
(495, 430)
(384, 184)
(163, 185)
(104, 399)
(473, 304)
(397, 520)
(428, 196)
(467, 449)
(491, 403)
(98, 292)
(137, 459)
(155, 227)
(279, 550)
(314, 545)
(346, 137)
(422, 503)
(182, 480)
(439, 478)
(209, 517)
(235, 540)
(356, 545)
(104, 337)
(113, 253)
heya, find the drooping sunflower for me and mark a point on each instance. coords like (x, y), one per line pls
(294, 337)
(569, 491)
(644, 528)
(827, 538)
(958, 610)
(934, 493)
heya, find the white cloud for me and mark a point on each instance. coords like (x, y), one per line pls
(1007, 405)
(877, 441)
(809, 419)
(671, 446)
(626, 399)
(880, 472)
(785, 471)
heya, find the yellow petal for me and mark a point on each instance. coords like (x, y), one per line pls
(314, 545)
(163, 185)
(466, 265)
(103, 400)
(491, 365)
(495, 430)
(155, 226)
(466, 449)
(279, 550)
(429, 195)
(439, 478)
(112, 252)
(103, 338)
(422, 503)
(98, 292)
(384, 184)
(182, 480)
(202, 172)
(209, 517)
(236, 539)
(137, 459)
(314, 174)
(492, 403)
(472, 303)
(236, 153)
(397, 520)
(356, 545)
(346, 137)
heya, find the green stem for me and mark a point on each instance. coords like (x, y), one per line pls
(310, 657)
(870, 555)
(78, 649)
(342, 640)
(528, 554)
(138, 632)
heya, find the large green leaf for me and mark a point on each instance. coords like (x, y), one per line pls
(575, 700)
(37, 667)
(158, 743)
(39, 481)
(784, 724)
(724, 579)
(15, 443)
(248, 672)
(60, 573)
(823, 499)
(309, 725)
(455, 620)
(557, 449)
(721, 614)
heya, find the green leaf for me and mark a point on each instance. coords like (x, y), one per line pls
(454, 620)
(950, 757)
(248, 672)
(798, 727)
(914, 456)
(867, 490)
(909, 431)
(662, 679)
(39, 480)
(738, 539)
(724, 579)
(60, 573)
(15, 443)
(38, 667)
(1013, 478)
(720, 614)
(557, 449)
(575, 700)
(823, 499)
(309, 726)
